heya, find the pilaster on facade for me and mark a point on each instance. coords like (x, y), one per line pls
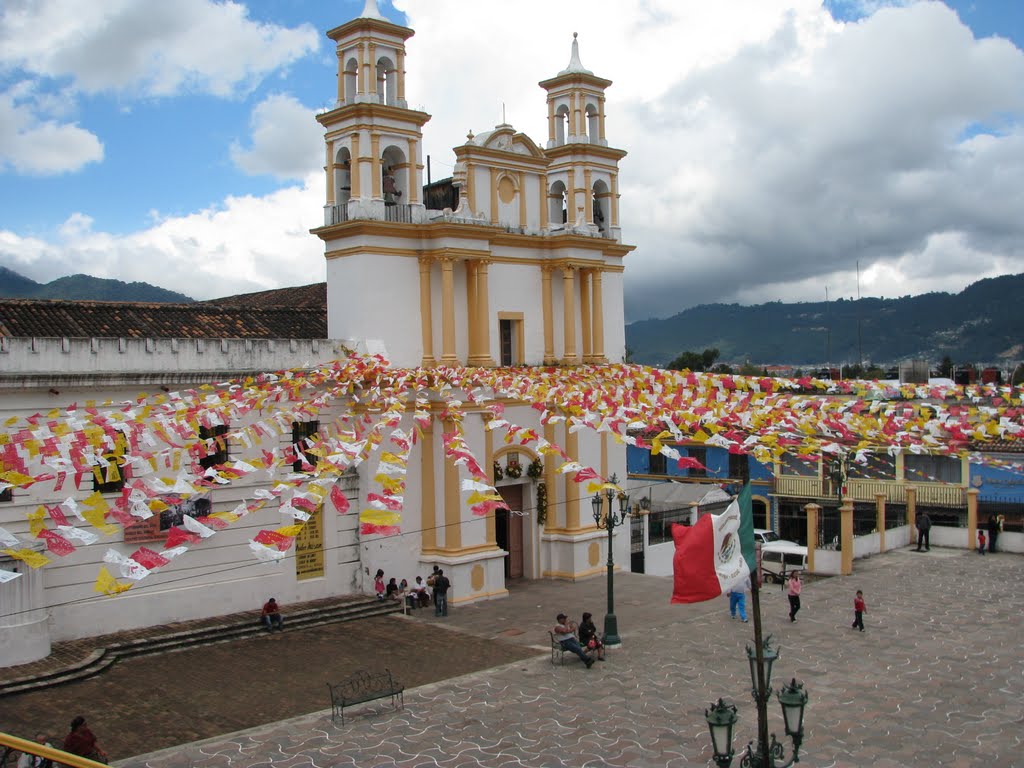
(426, 312)
(448, 352)
(569, 354)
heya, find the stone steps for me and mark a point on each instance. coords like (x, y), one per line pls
(234, 627)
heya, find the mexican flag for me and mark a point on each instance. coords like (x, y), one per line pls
(714, 555)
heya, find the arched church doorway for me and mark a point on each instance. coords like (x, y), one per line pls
(509, 529)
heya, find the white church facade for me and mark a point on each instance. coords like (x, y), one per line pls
(517, 260)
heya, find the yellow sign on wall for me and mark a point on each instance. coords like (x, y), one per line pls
(309, 547)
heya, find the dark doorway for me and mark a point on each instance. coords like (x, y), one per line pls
(508, 531)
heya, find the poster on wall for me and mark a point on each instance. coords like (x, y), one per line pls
(155, 528)
(309, 547)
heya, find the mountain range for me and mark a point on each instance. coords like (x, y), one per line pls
(983, 324)
(84, 288)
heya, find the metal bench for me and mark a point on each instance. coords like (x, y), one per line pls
(362, 687)
(558, 652)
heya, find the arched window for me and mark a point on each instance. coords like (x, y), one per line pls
(342, 176)
(593, 124)
(557, 213)
(351, 78)
(599, 200)
(387, 81)
(561, 125)
(395, 172)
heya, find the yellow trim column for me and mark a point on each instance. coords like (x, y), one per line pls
(375, 166)
(548, 311)
(426, 313)
(812, 533)
(600, 116)
(585, 314)
(551, 120)
(364, 68)
(483, 314)
(373, 70)
(452, 503)
(356, 169)
(972, 518)
(470, 187)
(597, 327)
(428, 512)
(577, 108)
(341, 75)
(572, 489)
(569, 356)
(846, 535)
(472, 297)
(412, 187)
(880, 520)
(551, 476)
(912, 511)
(448, 356)
(329, 172)
(401, 75)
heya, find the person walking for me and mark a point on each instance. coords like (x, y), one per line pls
(738, 603)
(441, 586)
(82, 742)
(795, 586)
(924, 525)
(993, 532)
(858, 611)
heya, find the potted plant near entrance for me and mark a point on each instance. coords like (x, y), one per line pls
(535, 470)
(514, 469)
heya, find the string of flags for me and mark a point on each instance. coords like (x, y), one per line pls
(152, 443)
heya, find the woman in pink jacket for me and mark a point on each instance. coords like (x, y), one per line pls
(795, 585)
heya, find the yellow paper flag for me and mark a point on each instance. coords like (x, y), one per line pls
(30, 557)
(107, 584)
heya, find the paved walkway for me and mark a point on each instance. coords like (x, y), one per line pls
(937, 679)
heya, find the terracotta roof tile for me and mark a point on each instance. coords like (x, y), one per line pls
(314, 295)
(211, 320)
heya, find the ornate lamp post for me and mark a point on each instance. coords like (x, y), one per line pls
(609, 522)
(722, 717)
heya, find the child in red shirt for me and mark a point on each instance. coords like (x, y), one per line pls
(858, 611)
(981, 541)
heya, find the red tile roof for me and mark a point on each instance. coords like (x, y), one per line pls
(26, 318)
(312, 296)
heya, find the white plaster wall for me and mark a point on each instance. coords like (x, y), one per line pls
(866, 545)
(1010, 541)
(658, 559)
(518, 288)
(942, 536)
(614, 317)
(828, 562)
(78, 356)
(373, 296)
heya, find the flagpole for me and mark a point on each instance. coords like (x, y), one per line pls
(761, 694)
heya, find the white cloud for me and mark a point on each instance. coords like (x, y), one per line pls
(246, 244)
(771, 147)
(62, 48)
(33, 144)
(154, 49)
(286, 140)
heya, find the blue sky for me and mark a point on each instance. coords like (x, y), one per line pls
(774, 146)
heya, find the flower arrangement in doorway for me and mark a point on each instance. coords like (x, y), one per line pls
(499, 473)
(535, 470)
(514, 469)
(542, 503)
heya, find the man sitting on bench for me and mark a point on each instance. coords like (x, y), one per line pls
(565, 635)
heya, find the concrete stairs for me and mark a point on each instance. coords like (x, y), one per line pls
(186, 635)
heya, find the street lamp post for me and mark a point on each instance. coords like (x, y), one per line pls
(722, 717)
(609, 521)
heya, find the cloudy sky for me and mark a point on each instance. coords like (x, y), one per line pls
(774, 145)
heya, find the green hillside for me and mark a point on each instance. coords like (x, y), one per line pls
(84, 288)
(982, 323)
